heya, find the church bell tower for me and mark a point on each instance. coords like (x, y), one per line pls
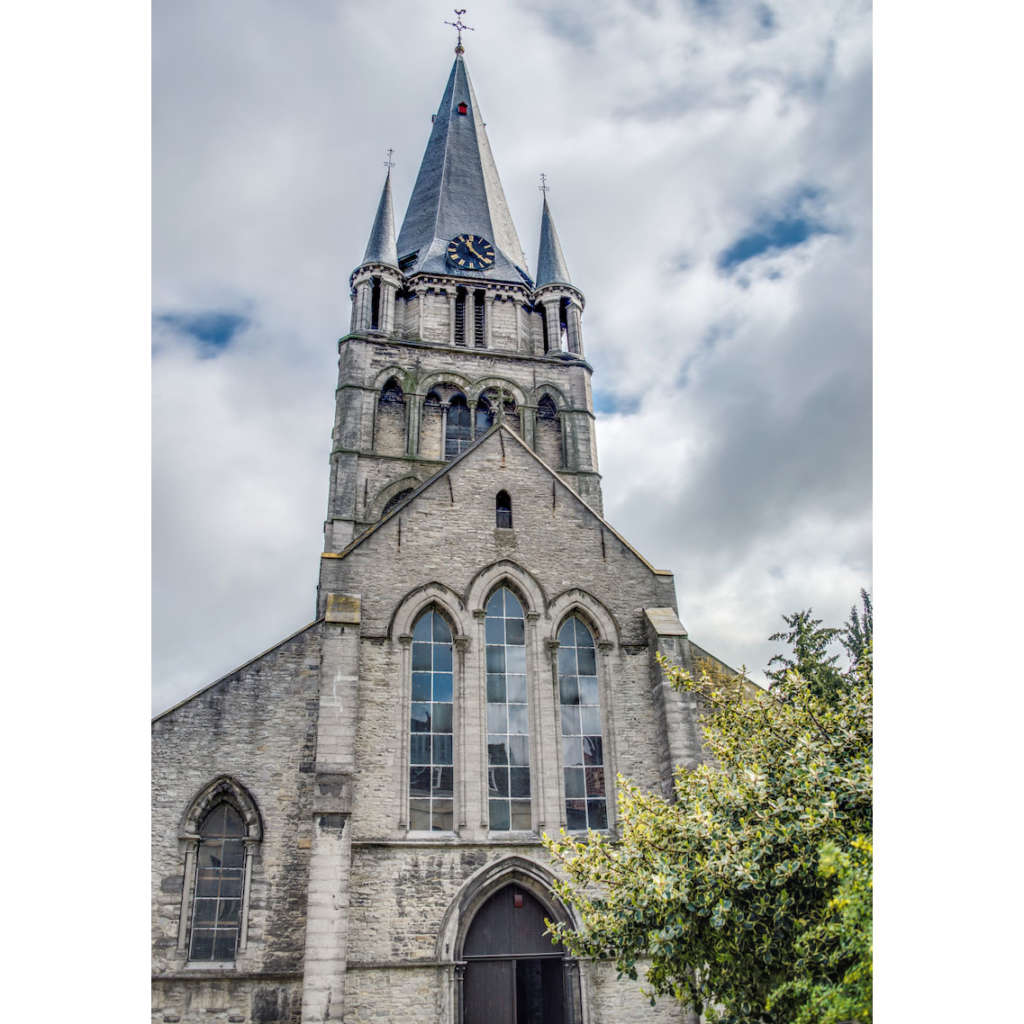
(451, 335)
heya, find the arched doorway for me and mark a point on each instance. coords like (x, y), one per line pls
(513, 973)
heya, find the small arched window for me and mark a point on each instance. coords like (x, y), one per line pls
(546, 409)
(586, 802)
(431, 757)
(392, 393)
(395, 500)
(458, 434)
(220, 875)
(503, 510)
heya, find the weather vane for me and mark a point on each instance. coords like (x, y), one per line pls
(388, 162)
(544, 186)
(459, 27)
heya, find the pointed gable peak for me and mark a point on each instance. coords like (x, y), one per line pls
(458, 191)
(381, 246)
(551, 268)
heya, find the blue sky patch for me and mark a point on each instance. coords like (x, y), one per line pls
(212, 330)
(610, 403)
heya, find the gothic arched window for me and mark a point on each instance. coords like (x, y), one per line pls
(508, 722)
(546, 409)
(457, 435)
(220, 875)
(392, 393)
(503, 510)
(586, 803)
(431, 756)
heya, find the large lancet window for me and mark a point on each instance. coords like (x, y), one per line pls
(431, 757)
(458, 433)
(582, 747)
(508, 723)
(220, 873)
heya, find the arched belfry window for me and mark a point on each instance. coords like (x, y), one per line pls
(508, 722)
(375, 305)
(484, 415)
(431, 753)
(220, 876)
(546, 409)
(563, 325)
(458, 435)
(586, 803)
(391, 394)
(503, 510)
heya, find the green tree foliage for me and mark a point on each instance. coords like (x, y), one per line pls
(747, 897)
(857, 635)
(810, 642)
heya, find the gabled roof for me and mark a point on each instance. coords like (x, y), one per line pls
(381, 246)
(551, 268)
(502, 432)
(458, 190)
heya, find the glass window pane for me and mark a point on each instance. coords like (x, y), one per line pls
(588, 690)
(419, 781)
(575, 815)
(421, 685)
(231, 884)
(566, 635)
(568, 691)
(570, 721)
(210, 854)
(213, 823)
(586, 661)
(233, 824)
(227, 912)
(443, 750)
(521, 817)
(519, 749)
(518, 719)
(421, 631)
(572, 750)
(516, 689)
(419, 749)
(207, 881)
(205, 911)
(442, 718)
(567, 661)
(519, 782)
(421, 657)
(497, 750)
(202, 944)
(513, 609)
(574, 783)
(442, 819)
(496, 689)
(442, 686)
(496, 607)
(234, 853)
(442, 632)
(442, 657)
(496, 718)
(419, 815)
(592, 753)
(495, 659)
(595, 781)
(420, 718)
(515, 631)
(515, 660)
(597, 812)
(590, 721)
(583, 637)
(494, 630)
(441, 782)
(498, 815)
(497, 781)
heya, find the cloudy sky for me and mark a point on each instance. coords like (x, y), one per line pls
(710, 173)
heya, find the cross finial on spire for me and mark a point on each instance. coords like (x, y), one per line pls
(544, 186)
(458, 26)
(388, 162)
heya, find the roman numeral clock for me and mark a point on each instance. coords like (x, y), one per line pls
(470, 252)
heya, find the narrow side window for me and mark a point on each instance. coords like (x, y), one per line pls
(586, 803)
(220, 872)
(503, 510)
(431, 757)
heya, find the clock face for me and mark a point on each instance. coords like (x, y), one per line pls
(470, 252)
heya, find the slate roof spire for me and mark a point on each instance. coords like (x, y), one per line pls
(551, 268)
(381, 246)
(458, 191)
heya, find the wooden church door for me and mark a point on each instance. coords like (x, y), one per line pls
(514, 975)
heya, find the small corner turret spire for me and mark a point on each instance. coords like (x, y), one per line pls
(459, 27)
(551, 268)
(381, 246)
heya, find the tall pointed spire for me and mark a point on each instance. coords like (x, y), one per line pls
(458, 191)
(381, 246)
(551, 268)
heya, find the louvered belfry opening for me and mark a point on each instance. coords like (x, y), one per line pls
(460, 316)
(479, 338)
(375, 305)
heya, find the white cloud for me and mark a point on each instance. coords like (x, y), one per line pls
(666, 136)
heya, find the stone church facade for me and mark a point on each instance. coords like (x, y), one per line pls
(347, 827)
